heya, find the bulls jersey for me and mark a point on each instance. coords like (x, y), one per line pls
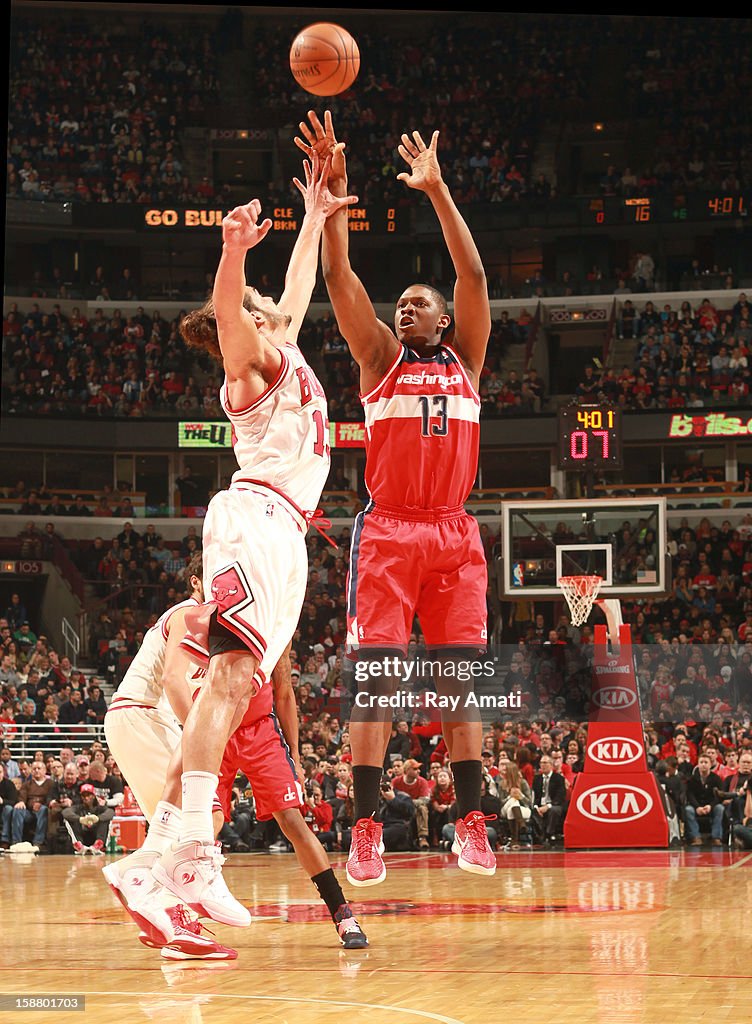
(142, 683)
(422, 432)
(282, 438)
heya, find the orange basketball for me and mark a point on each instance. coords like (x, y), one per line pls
(324, 59)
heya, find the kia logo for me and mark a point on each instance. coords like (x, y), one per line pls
(615, 750)
(614, 802)
(614, 697)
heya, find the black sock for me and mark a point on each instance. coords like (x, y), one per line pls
(467, 777)
(367, 782)
(330, 890)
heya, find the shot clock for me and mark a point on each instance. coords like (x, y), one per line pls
(590, 437)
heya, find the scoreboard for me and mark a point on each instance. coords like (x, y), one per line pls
(664, 209)
(590, 437)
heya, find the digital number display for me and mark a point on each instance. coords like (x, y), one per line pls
(590, 437)
(694, 207)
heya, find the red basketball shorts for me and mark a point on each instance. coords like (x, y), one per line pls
(432, 567)
(259, 751)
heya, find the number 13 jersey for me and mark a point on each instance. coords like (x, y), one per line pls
(422, 433)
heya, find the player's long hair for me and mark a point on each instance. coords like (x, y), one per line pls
(194, 568)
(199, 327)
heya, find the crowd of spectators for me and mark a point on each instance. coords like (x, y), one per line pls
(136, 366)
(97, 111)
(694, 356)
(682, 356)
(125, 145)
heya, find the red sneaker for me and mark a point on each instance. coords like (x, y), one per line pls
(365, 865)
(471, 844)
(98, 847)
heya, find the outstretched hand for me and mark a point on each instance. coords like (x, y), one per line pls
(320, 139)
(425, 172)
(240, 228)
(315, 191)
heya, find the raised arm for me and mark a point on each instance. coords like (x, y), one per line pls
(472, 310)
(372, 344)
(300, 279)
(247, 358)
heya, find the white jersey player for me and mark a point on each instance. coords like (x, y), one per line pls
(255, 557)
(143, 722)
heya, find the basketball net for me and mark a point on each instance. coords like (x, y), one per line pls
(580, 593)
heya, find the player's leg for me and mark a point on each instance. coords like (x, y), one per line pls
(130, 876)
(261, 752)
(381, 593)
(168, 923)
(314, 861)
(453, 613)
(191, 867)
(142, 741)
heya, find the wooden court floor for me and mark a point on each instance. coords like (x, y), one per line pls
(630, 937)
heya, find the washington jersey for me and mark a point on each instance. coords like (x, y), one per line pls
(282, 438)
(422, 433)
(142, 683)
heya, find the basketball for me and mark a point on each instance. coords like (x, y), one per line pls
(324, 59)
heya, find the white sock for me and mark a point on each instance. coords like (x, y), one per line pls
(164, 828)
(198, 795)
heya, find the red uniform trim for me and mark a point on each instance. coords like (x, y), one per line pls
(418, 515)
(464, 373)
(389, 372)
(264, 394)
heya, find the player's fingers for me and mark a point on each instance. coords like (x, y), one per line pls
(328, 123)
(317, 125)
(299, 185)
(419, 141)
(408, 157)
(306, 132)
(434, 140)
(409, 145)
(241, 217)
(263, 228)
(302, 145)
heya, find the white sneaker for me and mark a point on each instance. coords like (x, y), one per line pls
(152, 916)
(192, 871)
(130, 877)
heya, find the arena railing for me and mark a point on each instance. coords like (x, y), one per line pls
(24, 741)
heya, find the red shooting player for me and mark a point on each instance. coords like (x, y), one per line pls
(254, 551)
(415, 550)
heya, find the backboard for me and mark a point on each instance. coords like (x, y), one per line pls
(623, 540)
